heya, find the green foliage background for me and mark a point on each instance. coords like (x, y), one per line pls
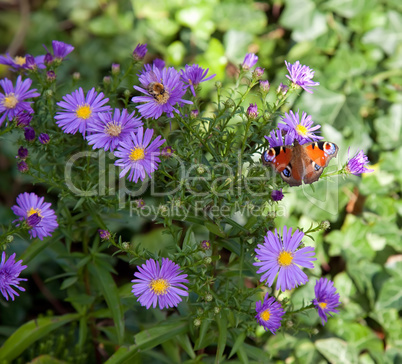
(355, 48)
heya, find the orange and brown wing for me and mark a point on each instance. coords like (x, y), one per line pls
(277, 157)
(321, 152)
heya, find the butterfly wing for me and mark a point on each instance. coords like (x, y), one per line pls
(280, 159)
(317, 156)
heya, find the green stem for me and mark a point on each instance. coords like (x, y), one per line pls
(300, 310)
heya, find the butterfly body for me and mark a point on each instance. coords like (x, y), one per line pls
(300, 163)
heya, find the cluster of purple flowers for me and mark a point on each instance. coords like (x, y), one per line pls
(35, 215)
(121, 132)
(280, 258)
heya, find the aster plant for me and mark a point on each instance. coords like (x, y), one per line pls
(134, 155)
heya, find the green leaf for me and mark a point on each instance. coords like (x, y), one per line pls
(390, 295)
(110, 293)
(175, 53)
(214, 228)
(189, 238)
(223, 333)
(238, 342)
(68, 282)
(30, 332)
(199, 344)
(149, 338)
(337, 351)
(306, 21)
(186, 345)
(387, 37)
(349, 8)
(324, 105)
(389, 128)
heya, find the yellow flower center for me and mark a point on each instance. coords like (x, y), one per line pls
(10, 101)
(32, 211)
(83, 112)
(137, 154)
(113, 129)
(301, 129)
(159, 286)
(19, 60)
(285, 259)
(322, 304)
(265, 315)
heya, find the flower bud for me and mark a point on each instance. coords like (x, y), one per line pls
(22, 153)
(29, 134)
(23, 167)
(50, 76)
(140, 51)
(44, 138)
(264, 86)
(104, 234)
(115, 69)
(197, 322)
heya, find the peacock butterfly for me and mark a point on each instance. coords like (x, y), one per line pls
(300, 163)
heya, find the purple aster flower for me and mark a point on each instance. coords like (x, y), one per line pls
(9, 273)
(326, 299)
(281, 254)
(205, 244)
(17, 63)
(61, 49)
(269, 314)
(79, 111)
(167, 151)
(264, 85)
(277, 195)
(44, 138)
(193, 75)
(163, 90)
(23, 167)
(275, 138)
(22, 153)
(140, 51)
(303, 129)
(29, 134)
(104, 234)
(12, 101)
(249, 61)
(282, 89)
(159, 284)
(108, 130)
(139, 155)
(301, 75)
(252, 111)
(357, 164)
(29, 204)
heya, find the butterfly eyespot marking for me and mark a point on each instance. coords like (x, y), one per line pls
(329, 148)
(316, 166)
(286, 172)
(269, 155)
